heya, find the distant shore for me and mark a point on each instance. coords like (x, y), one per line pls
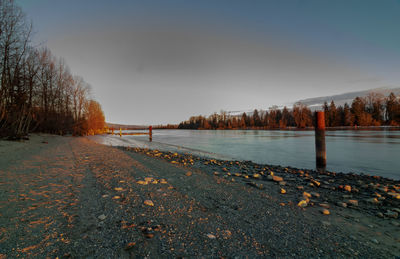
(72, 197)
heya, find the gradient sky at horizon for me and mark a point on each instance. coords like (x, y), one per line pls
(157, 61)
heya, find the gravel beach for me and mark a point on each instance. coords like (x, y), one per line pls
(69, 197)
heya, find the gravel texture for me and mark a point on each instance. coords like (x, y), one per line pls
(70, 197)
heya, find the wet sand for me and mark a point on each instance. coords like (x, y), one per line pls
(70, 197)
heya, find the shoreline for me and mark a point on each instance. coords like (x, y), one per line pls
(72, 197)
(362, 185)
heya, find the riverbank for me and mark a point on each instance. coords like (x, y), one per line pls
(71, 197)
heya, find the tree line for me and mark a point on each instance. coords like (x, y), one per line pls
(38, 93)
(372, 110)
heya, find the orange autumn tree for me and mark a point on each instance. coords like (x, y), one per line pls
(95, 118)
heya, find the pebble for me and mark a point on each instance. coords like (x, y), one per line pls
(302, 204)
(373, 240)
(148, 179)
(276, 178)
(395, 223)
(315, 194)
(102, 217)
(283, 191)
(392, 214)
(341, 204)
(379, 214)
(282, 183)
(189, 173)
(130, 245)
(325, 212)
(257, 176)
(306, 195)
(316, 183)
(396, 210)
(148, 203)
(211, 236)
(324, 205)
(372, 200)
(353, 202)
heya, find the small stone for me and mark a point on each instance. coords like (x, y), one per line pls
(270, 177)
(189, 173)
(341, 204)
(392, 214)
(316, 183)
(300, 187)
(353, 202)
(283, 183)
(324, 205)
(325, 212)
(379, 214)
(148, 179)
(302, 204)
(216, 173)
(118, 189)
(372, 200)
(347, 188)
(283, 191)
(102, 217)
(306, 195)
(315, 194)
(163, 181)
(130, 245)
(395, 223)
(373, 240)
(211, 236)
(256, 176)
(148, 203)
(141, 182)
(276, 178)
(394, 195)
(396, 210)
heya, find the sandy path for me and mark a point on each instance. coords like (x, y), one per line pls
(71, 197)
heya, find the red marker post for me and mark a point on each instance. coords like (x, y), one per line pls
(150, 133)
(320, 147)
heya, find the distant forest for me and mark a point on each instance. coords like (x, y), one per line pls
(372, 110)
(38, 93)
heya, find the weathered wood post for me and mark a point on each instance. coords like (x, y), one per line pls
(150, 133)
(120, 133)
(320, 148)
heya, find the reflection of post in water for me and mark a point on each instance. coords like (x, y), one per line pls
(150, 133)
(320, 148)
(120, 133)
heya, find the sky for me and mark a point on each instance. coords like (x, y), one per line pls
(159, 61)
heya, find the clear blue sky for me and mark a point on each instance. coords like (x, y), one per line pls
(163, 61)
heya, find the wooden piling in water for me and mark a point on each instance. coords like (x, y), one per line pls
(150, 133)
(320, 147)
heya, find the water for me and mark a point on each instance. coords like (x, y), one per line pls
(369, 152)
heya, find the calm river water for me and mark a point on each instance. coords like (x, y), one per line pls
(360, 151)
